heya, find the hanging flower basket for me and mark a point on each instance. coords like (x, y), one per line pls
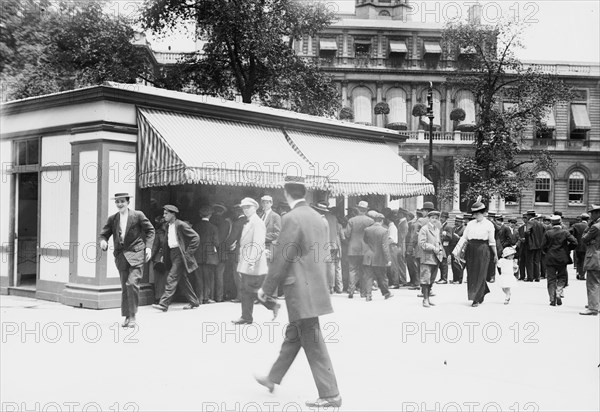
(397, 126)
(382, 108)
(458, 115)
(419, 110)
(466, 128)
(346, 113)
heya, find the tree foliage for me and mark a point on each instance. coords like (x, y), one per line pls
(499, 166)
(49, 47)
(248, 51)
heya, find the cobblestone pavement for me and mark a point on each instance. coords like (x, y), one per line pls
(388, 355)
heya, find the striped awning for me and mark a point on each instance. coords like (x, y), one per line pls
(176, 148)
(398, 46)
(579, 117)
(357, 168)
(432, 47)
(327, 44)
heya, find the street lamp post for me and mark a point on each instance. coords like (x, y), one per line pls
(431, 117)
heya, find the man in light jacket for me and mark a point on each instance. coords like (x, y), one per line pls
(252, 263)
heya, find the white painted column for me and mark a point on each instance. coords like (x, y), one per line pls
(456, 197)
(493, 207)
(502, 206)
(420, 163)
(309, 51)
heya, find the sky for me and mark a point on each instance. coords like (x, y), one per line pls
(558, 30)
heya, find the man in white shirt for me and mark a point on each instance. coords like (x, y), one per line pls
(133, 235)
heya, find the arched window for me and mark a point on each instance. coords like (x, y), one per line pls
(396, 99)
(384, 13)
(576, 188)
(542, 187)
(361, 103)
(465, 100)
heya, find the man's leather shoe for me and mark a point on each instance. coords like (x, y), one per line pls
(441, 282)
(389, 295)
(241, 321)
(276, 308)
(132, 323)
(558, 301)
(350, 295)
(160, 307)
(189, 306)
(369, 298)
(589, 313)
(333, 402)
(266, 382)
(125, 323)
(414, 288)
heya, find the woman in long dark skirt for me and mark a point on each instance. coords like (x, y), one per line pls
(480, 242)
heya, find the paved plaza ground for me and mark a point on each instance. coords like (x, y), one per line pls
(388, 355)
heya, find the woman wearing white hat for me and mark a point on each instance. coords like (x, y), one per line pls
(480, 241)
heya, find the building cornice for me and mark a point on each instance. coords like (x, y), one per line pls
(138, 95)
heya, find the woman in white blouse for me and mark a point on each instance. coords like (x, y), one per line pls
(479, 240)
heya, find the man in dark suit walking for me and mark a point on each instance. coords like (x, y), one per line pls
(557, 246)
(357, 248)
(181, 242)
(304, 281)
(377, 257)
(133, 235)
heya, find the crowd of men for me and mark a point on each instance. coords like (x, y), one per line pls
(368, 250)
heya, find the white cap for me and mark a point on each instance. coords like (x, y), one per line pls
(248, 201)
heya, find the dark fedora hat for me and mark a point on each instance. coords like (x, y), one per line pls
(477, 207)
(427, 206)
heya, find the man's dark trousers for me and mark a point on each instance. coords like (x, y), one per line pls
(130, 286)
(306, 334)
(557, 280)
(178, 273)
(413, 270)
(533, 264)
(377, 273)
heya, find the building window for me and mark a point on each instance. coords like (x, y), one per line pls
(398, 116)
(542, 187)
(511, 200)
(361, 102)
(27, 152)
(580, 121)
(384, 14)
(576, 188)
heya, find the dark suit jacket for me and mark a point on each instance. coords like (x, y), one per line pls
(557, 244)
(355, 232)
(577, 230)
(591, 238)
(188, 241)
(223, 229)
(378, 251)
(157, 247)
(209, 241)
(273, 225)
(506, 237)
(536, 234)
(232, 243)
(303, 276)
(139, 235)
